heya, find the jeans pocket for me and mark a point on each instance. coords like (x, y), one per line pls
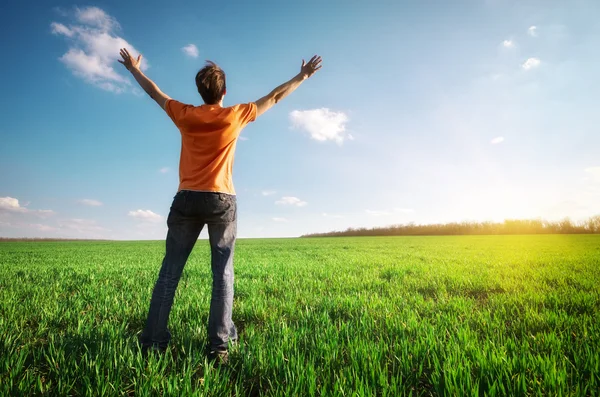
(225, 208)
(224, 198)
(179, 201)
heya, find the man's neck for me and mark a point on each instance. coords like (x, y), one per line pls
(219, 104)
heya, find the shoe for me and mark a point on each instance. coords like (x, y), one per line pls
(218, 358)
(153, 350)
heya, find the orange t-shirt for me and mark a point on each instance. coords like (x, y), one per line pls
(208, 137)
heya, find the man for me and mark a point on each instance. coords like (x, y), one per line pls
(206, 195)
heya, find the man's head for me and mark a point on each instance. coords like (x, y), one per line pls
(210, 81)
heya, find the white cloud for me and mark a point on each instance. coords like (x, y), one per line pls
(243, 138)
(94, 49)
(404, 210)
(191, 50)
(60, 11)
(532, 31)
(277, 219)
(497, 140)
(508, 44)
(378, 213)
(42, 213)
(31, 226)
(145, 215)
(290, 200)
(79, 228)
(59, 28)
(322, 124)
(90, 202)
(164, 170)
(95, 16)
(268, 192)
(63, 228)
(41, 227)
(326, 215)
(531, 63)
(12, 205)
(93, 69)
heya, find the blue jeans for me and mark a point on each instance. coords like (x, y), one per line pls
(189, 213)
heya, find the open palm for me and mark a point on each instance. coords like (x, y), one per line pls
(130, 62)
(308, 69)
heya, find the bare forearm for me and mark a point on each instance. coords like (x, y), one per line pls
(133, 65)
(147, 85)
(287, 88)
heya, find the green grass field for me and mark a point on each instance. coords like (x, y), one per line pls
(490, 315)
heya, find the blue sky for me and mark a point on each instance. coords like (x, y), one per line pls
(424, 111)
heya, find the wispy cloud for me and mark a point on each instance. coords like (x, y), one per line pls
(531, 63)
(378, 213)
(322, 124)
(497, 140)
(12, 205)
(30, 226)
(145, 215)
(268, 192)
(90, 202)
(42, 213)
(59, 28)
(41, 227)
(191, 50)
(278, 219)
(164, 170)
(82, 226)
(326, 215)
(292, 201)
(22, 220)
(508, 44)
(94, 48)
(532, 31)
(243, 138)
(404, 210)
(94, 16)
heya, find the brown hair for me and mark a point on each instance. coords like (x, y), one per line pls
(210, 81)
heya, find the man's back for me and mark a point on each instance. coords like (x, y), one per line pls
(208, 137)
(205, 197)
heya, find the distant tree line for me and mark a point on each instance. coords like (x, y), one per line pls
(509, 226)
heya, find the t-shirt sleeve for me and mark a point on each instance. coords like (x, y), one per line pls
(175, 110)
(246, 113)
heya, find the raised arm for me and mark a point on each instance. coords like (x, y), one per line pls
(306, 70)
(133, 65)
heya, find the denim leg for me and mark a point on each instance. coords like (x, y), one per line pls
(220, 325)
(181, 238)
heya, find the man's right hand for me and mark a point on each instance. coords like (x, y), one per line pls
(308, 69)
